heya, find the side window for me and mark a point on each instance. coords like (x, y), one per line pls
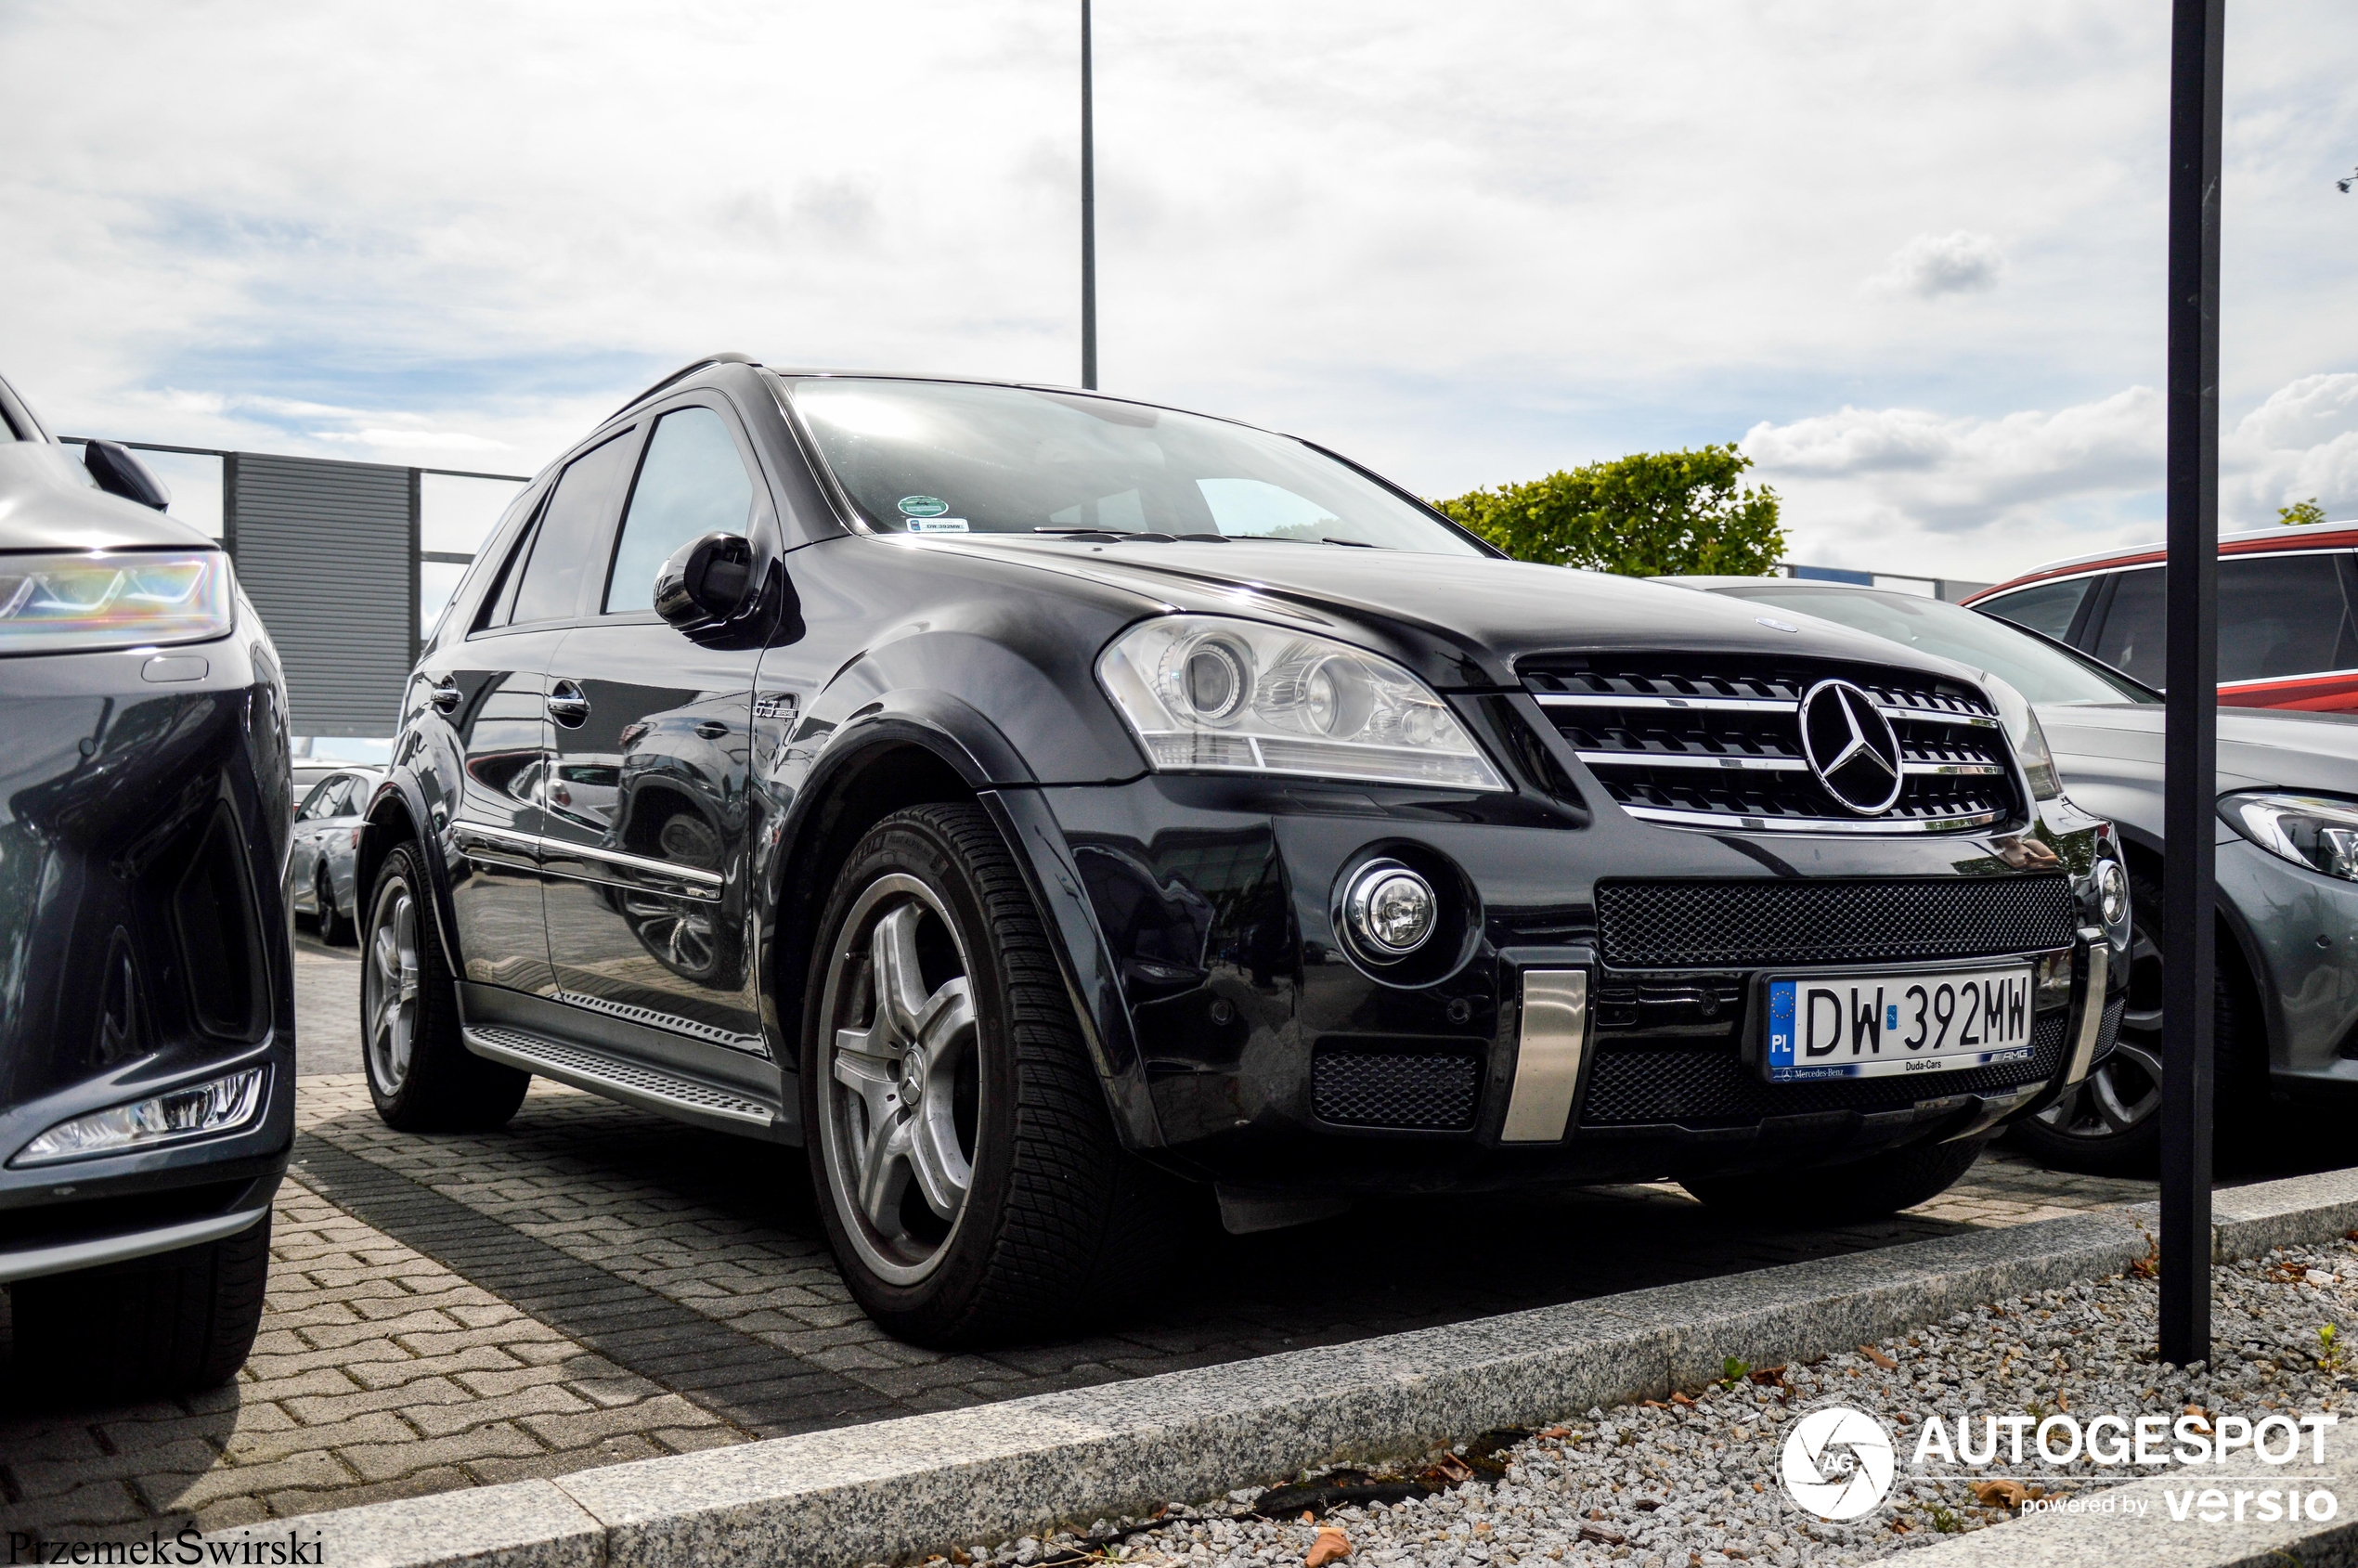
(2049, 608)
(2284, 615)
(572, 530)
(2131, 636)
(315, 804)
(691, 483)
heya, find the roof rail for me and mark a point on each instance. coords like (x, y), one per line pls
(682, 373)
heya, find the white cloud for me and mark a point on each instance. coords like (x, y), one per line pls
(1933, 265)
(2300, 444)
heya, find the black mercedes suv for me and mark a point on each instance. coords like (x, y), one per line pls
(1033, 804)
(147, 990)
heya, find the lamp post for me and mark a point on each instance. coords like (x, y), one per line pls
(2191, 629)
(1088, 216)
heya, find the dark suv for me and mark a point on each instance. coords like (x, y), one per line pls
(146, 988)
(1031, 803)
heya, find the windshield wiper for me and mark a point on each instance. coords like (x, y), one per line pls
(1144, 536)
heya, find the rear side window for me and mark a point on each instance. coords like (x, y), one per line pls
(572, 530)
(692, 483)
(2049, 608)
(2278, 616)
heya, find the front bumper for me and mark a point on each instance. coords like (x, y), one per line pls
(1224, 996)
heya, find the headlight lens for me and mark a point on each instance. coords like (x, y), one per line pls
(2112, 895)
(217, 1107)
(2311, 830)
(112, 599)
(2029, 740)
(1209, 694)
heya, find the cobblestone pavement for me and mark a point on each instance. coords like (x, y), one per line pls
(595, 1284)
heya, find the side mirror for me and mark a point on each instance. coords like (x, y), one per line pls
(120, 474)
(703, 584)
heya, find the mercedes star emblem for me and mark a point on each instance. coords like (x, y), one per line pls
(1850, 747)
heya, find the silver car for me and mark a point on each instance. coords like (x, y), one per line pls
(2287, 1007)
(326, 827)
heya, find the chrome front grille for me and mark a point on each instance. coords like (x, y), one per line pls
(1712, 742)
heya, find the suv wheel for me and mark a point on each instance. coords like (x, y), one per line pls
(970, 1180)
(420, 1074)
(2110, 1125)
(169, 1323)
(334, 929)
(1871, 1188)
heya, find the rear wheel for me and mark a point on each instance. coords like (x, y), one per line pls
(334, 929)
(1871, 1188)
(970, 1179)
(420, 1074)
(169, 1323)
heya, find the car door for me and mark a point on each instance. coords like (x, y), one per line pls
(303, 846)
(496, 693)
(645, 842)
(2287, 628)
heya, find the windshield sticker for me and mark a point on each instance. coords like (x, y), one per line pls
(922, 506)
(936, 525)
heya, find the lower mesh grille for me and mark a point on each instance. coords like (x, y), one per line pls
(1714, 1089)
(1686, 924)
(2108, 1032)
(1423, 1092)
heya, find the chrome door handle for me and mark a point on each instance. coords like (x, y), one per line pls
(443, 695)
(568, 705)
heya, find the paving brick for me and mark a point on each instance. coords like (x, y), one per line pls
(292, 1501)
(612, 1451)
(390, 1460)
(392, 1373)
(546, 1399)
(648, 1414)
(50, 1478)
(313, 1470)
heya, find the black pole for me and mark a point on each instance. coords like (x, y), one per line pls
(1088, 215)
(2190, 755)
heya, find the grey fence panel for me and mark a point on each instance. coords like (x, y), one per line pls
(327, 552)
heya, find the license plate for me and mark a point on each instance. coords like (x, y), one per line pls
(1871, 1026)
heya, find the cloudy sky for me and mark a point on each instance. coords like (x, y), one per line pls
(1909, 255)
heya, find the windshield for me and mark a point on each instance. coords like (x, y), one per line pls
(2041, 672)
(955, 458)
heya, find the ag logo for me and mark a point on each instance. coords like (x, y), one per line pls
(1850, 747)
(1839, 1462)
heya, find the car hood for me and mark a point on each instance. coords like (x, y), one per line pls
(2259, 748)
(1462, 622)
(47, 502)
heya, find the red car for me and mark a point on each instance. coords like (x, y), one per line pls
(2287, 613)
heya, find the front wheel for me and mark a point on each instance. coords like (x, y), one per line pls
(970, 1179)
(169, 1323)
(334, 929)
(1871, 1188)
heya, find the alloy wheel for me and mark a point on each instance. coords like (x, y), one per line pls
(898, 1078)
(389, 985)
(2123, 1092)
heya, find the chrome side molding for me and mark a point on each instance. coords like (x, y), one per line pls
(2091, 1022)
(1550, 1050)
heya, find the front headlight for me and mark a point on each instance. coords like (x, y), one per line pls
(112, 599)
(219, 1106)
(1209, 694)
(2029, 740)
(2310, 830)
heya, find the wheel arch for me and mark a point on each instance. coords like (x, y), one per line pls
(396, 813)
(2239, 959)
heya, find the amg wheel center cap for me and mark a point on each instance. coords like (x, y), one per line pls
(1852, 747)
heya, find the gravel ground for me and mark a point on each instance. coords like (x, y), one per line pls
(1695, 1481)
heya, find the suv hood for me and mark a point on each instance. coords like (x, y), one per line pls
(2259, 747)
(48, 502)
(1461, 622)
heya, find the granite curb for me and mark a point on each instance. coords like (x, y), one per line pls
(894, 1489)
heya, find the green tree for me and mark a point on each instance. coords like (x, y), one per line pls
(2300, 513)
(1650, 513)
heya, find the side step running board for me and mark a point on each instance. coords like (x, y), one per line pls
(632, 1082)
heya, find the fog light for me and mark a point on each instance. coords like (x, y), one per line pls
(217, 1107)
(2112, 894)
(1392, 909)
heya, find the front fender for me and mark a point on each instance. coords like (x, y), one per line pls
(401, 808)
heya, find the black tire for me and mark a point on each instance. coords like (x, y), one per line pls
(170, 1323)
(428, 1082)
(335, 928)
(2110, 1124)
(1056, 1217)
(1871, 1188)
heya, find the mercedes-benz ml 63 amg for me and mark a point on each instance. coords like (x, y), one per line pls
(1031, 803)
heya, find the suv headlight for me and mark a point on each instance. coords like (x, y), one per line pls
(2029, 741)
(2310, 830)
(220, 1106)
(112, 599)
(1209, 694)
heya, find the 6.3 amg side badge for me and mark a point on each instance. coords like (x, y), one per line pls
(1852, 747)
